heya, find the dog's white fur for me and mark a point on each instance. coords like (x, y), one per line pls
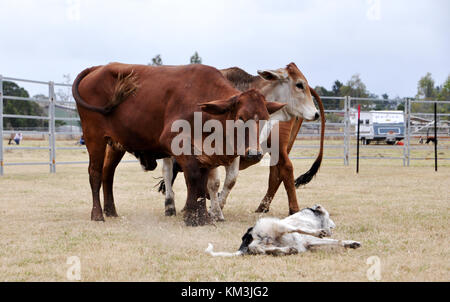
(294, 234)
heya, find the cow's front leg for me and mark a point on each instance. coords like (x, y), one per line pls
(274, 184)
(232, 172)
(169, 203)
(195, 213)
(213, 189)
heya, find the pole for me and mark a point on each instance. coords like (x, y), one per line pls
(408, 104)
(51, 126)
(404, 133)
(357, 139)
(435, 137)
(346, 129)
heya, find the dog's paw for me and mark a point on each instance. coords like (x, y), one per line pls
(322, 233)
(352, 244)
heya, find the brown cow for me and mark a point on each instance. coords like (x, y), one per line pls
(132, 108)
(276, 85)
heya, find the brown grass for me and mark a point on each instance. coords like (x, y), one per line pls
(398, 214)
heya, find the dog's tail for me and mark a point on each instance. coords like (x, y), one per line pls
(209, 250)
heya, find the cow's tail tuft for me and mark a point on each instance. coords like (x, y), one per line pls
(308, 176)
(161, 186)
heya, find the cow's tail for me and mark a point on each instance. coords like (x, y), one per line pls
(126, 85)
(306, 178)
(209, 250)
(175, 170)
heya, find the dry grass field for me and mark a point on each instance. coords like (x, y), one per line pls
(399, 214)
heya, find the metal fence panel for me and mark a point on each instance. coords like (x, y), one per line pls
(345, 124)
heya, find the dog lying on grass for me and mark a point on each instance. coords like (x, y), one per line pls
(294, 234)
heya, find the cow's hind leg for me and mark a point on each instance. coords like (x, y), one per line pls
(96, 159)
(112, 159)
(169, 203)
(287, 175)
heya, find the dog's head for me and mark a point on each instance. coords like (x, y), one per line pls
(246, 240)
(323, 217)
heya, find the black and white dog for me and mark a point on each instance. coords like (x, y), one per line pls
(294, 234)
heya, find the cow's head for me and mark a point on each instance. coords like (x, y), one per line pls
(289, 85)
(245, 109)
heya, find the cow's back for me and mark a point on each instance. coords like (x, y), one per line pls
(163, 94)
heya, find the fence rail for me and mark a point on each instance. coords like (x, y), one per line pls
(341, 130)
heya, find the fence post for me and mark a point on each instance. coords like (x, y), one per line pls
(1, 125)
(51, 126)
(405, 123)
(346, 130)
(408, 155)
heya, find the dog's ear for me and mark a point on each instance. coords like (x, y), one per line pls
(318, 208)
(248, 236)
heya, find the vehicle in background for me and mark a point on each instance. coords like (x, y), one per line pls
(379, 126)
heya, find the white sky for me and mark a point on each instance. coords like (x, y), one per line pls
(328, 40)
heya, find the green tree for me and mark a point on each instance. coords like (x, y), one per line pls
(156, 61)
(354, 87)
(425, 88)
(196, 59)
(444, 91)
(337, 88)
(385, 96)
(19, 107)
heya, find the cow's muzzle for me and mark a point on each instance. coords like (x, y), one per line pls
(253, 155)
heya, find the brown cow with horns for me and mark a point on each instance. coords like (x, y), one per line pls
(132, 108)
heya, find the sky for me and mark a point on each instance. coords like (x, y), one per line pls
(391, 44)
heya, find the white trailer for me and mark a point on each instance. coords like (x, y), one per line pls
(386, 125)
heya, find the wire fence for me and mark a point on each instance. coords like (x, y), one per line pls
(417, 119)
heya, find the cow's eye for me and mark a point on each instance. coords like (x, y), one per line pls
(299, 86)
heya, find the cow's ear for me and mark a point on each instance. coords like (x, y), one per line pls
(274, 106)
(269, 75)
(218, 107)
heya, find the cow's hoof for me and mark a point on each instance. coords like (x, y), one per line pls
(170, 212)
(111, 213)
(97, 217)
(262, 209)
(216, 217)
(293, 211)
(197, 218)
